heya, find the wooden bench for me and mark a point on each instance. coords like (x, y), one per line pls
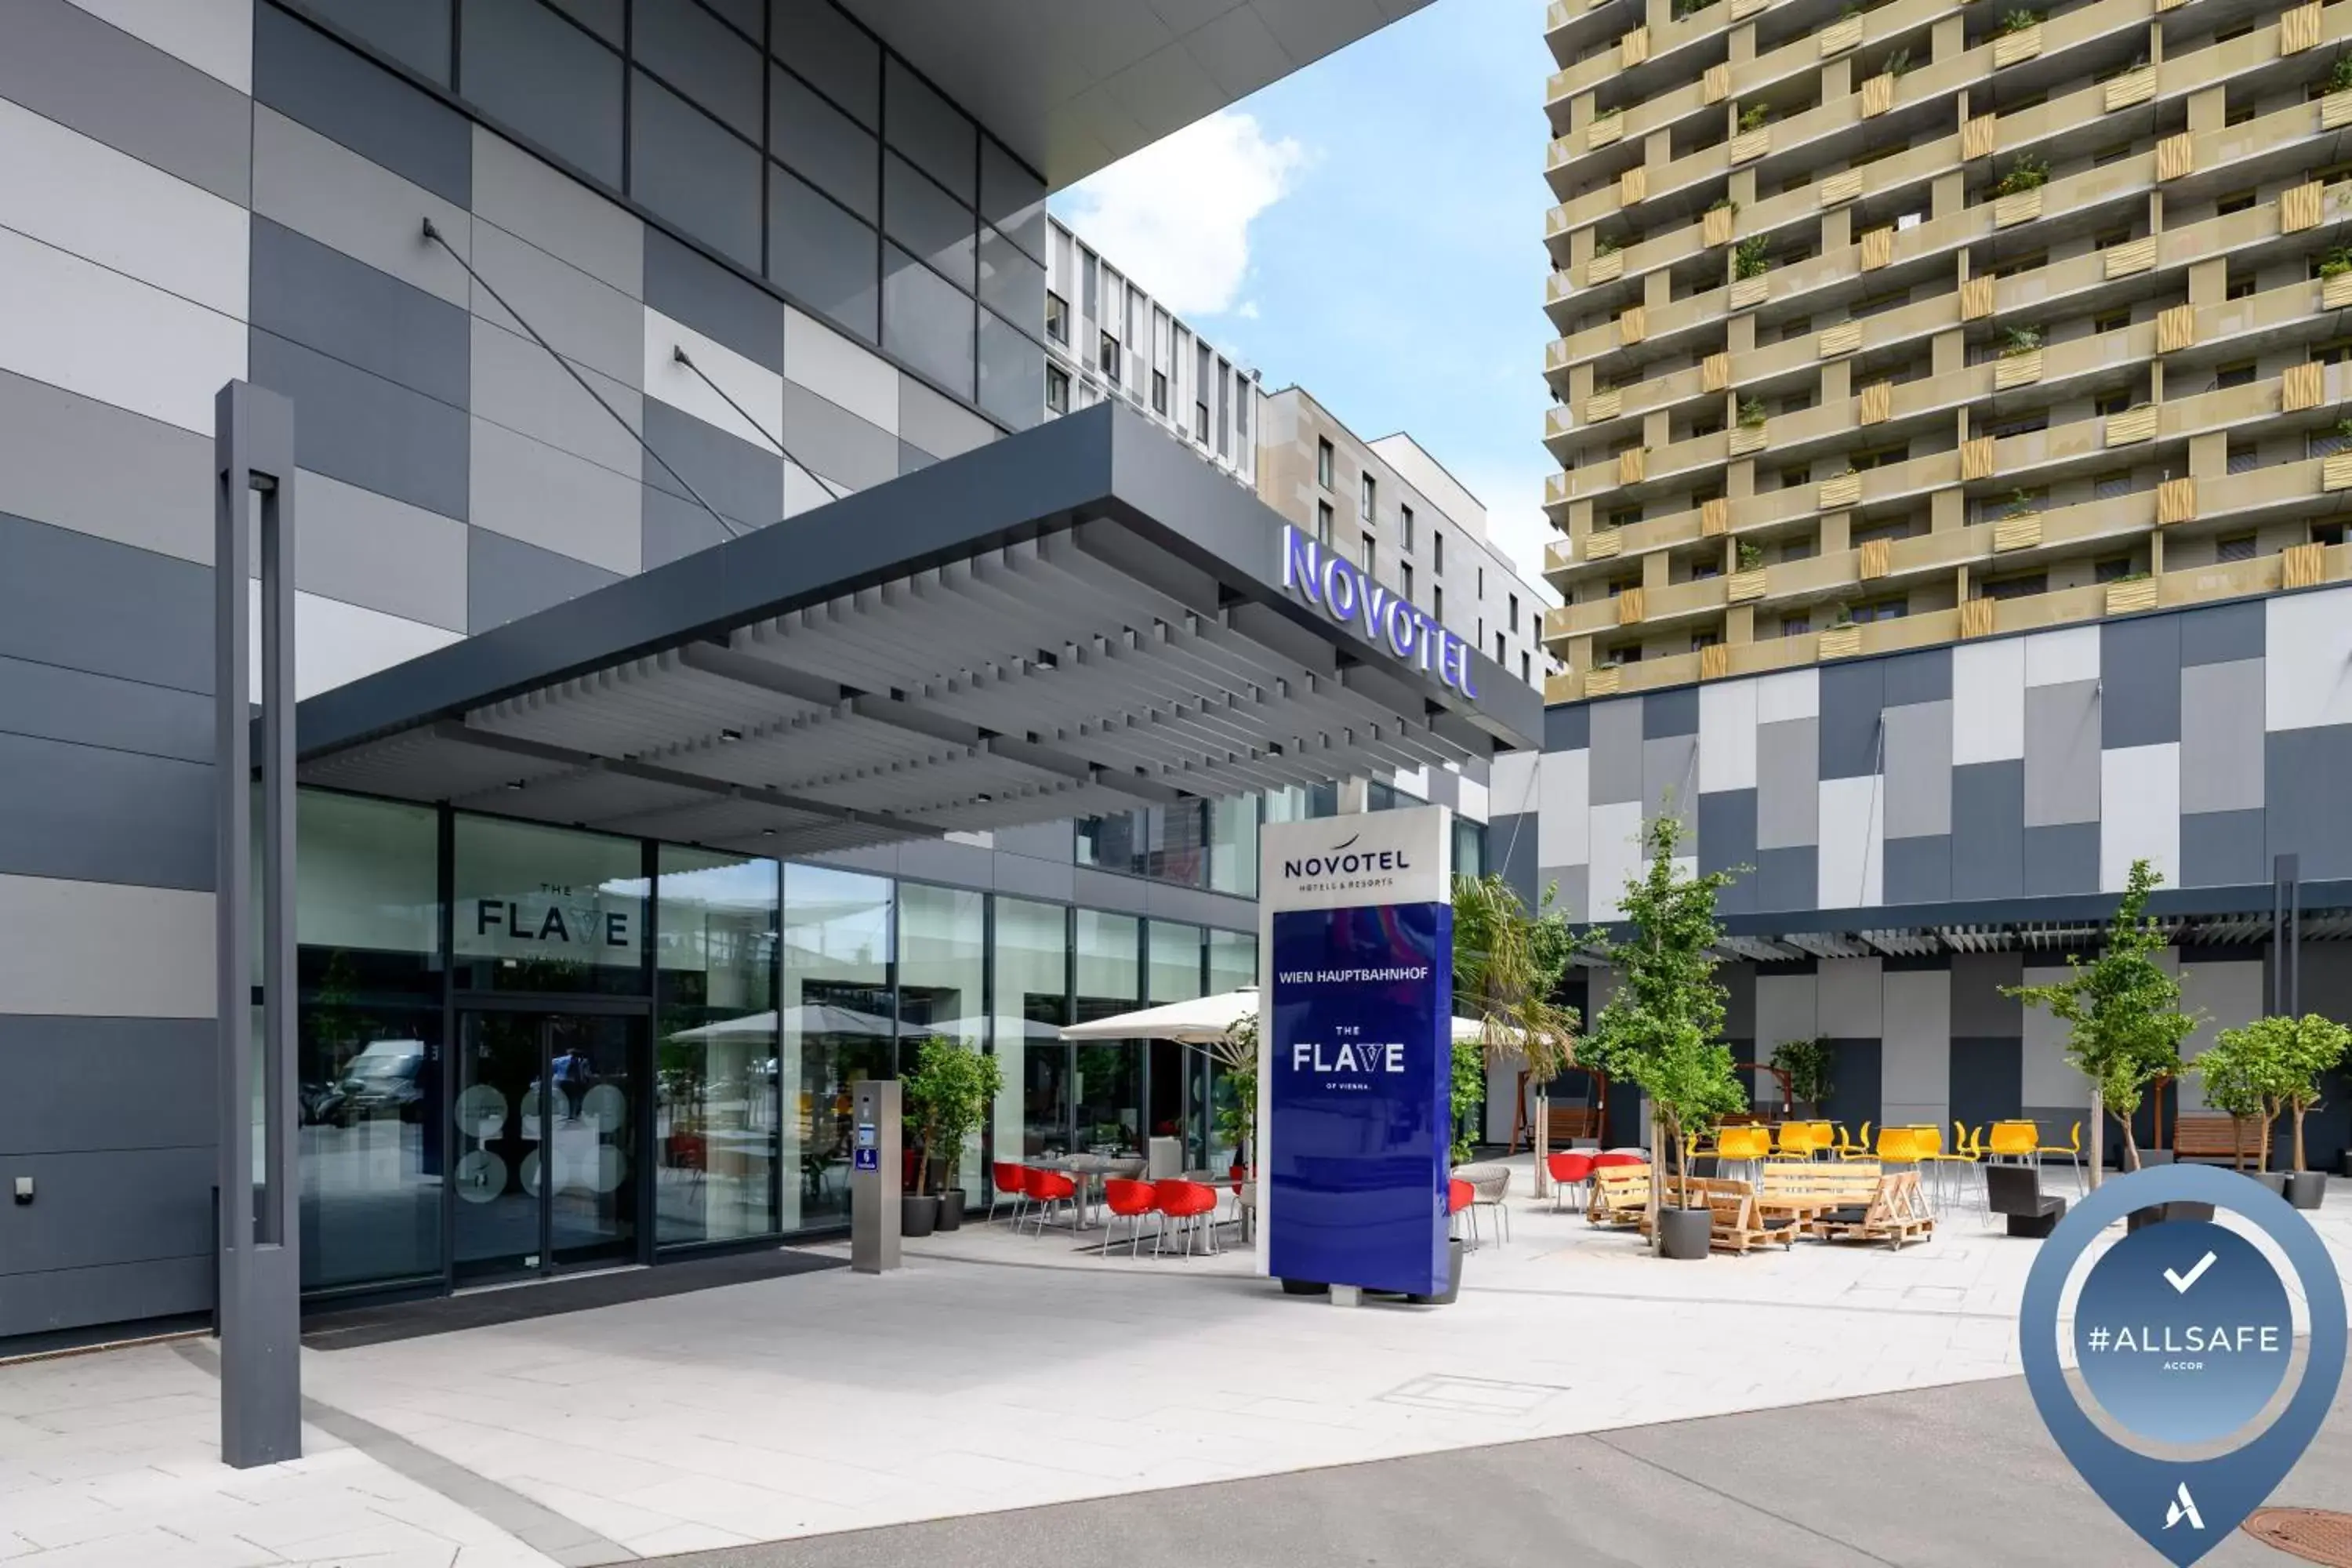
(1734, 1225)
(1843, 1183)
(1895, 1213)
(1621, 1195)
(2215, 1135)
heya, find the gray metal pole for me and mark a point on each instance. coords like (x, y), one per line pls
(874, 1177)
(260, 1273)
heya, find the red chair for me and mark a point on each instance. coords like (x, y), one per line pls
(1048, 1188)
(1187, 1202)
(1610, 1162)
(1568, 1170)
(1129, 1200)
(1461, 1197)
(1011, 1181)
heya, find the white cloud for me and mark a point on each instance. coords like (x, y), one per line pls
(1176, 216)
(1246, 311)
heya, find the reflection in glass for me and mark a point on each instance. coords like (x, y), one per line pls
(1176, 1087)
(1032, 978)
(716, 1130)
(368, 1040)
(548, 909)
(1233, 845)
(837, 1030)
(942, 976)
(1108, 1082)
(1233, 963)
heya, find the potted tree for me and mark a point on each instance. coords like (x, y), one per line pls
(2241, 1070)
(2123, 1015)
(1662, 1030)
(2274, 1067)
(1806, 1063)
(948, 1094)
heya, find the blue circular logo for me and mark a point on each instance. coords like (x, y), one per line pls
(2183, 1332)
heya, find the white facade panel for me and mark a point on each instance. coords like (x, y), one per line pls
(1989, 701)
(1789, 694)
(757, 389)
(1614, 844)
(1851, 864)
(2048, 1079)
(2307, 680)
(67, 942)
(1563, 789)
(336, 643)
(2140, 812)
(1849, 998)
(1915, 1051)
(2054, 658)
(835, 369)
(1727, 735)
(214, 35)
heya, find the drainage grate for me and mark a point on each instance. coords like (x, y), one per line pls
(2310, 1533)
(1472, 1395)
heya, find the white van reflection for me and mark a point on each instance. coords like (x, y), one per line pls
(381, 1081)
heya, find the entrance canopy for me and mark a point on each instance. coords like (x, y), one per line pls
(1081, 619)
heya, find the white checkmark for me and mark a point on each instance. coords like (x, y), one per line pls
(2180, 1282)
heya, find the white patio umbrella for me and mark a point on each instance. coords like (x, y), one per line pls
(810, 1018)
(1201, 1021)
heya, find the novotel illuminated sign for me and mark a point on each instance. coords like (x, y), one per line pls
(1324, 578)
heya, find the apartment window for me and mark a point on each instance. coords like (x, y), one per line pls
(2240, 547)
(2237, 116)
(2112, 155)
(2107, 487)
(1437, 603)
(2240, 374)
(2243, 456)
(1404, 528)
(1436, 550)
(1701, 570)
(2238, 289)
(1706, 427)
(1884, 456)
(1057, 318)
(2111, 403)
(1514, 621)
(2114, 569)
(1870, 533)
(1242, 385)
(1501, 653)
(2020, 587)
(1704, 640)
(1323, 523)
(2024, 426)
(1090, 286)
(2328, 533)
(2224, 35)
(1527, 670)
(1057, 389)
(1404, 580)
(2112, 322)
(1791, 478)
(1368, 506)
(1323, 462)
(2022, 264)
(1159, 394)
(1482, 584)
(1625, 517)
(2235, 202)
(1224, 409)
(1796, 625)
(2112, 238)
(1371, 546)
(1881, 610)
(1802, 548)
(1201, 422)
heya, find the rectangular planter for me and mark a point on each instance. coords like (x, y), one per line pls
(2132, 255)
(1841, 36)
(2299, 207)
(1877, 404)
(1747, 438)
(2132, 424)
(1715, 85)
(2335, 293)
(1632, 606)
(1877, 96)
(2017, 533)
(2176, 501)
(1845, 187)
(1603, 682)
(1604, 268)
(2023, 207)
(1632, 465)
(1843, 338)
(1976, 459)
(2336, 110)
(2303, 565)
(2016, 370)
(2176, 327)
(1714, 517)
(1750, 145)
(1632, 188)
(1714, 661)
(2132, 86)
(1603, 544)
(1839, 492)
(2014, 49)
(2336, 472)
(2176, 156)
(1878, 559)
(2301, 387)
(1632, 324)
(1715, 227)
(1877, 248)
(1975, 299)
(2299, 29)
(1602, 406)
(1978, 137)
(1838, 642)
(1604, 131)
(1715, 373)
(1633, 48)
(1977, 618)
(2130, 598)
(1746, 293)
(1746, 586)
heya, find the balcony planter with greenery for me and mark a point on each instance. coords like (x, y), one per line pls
(1752, 416)
(2020, 20)
(2026, 173)
(946, 1099)
(1752, 257)
(1749, 556)
(1755, 117)
(1662, 1030)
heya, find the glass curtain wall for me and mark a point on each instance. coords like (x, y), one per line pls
(1232, 963)
(372, 1141)
(1232, 845)
(716, 1127)
(942, 973)
(1106, 1082)
(1032, 962)
(835, 1028)
(1176, 1074)
(548, 909)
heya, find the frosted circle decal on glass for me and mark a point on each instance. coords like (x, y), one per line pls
(481, 1178)
(610, 1170)
(604, 1108)
(530, 1172)
(481, 1112)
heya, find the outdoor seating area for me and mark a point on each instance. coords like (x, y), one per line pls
(1104, 1200)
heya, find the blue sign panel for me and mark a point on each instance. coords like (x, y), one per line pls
(867, 1159)
(1360, 1067)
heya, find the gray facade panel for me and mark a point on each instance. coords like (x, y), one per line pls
(507, 579)
(98, 469)
(2220, 634)
(1511, 851)
(1054, 841)
(2223, 849)
(52, 703)
(1989, 830)
(1857, 1068)
(743, 481)
(518, 385)
(2140, 684)
(307, 75)
(1109, 890)
(417, 35)
(116, 1293)
(63, 63)
(89, 604)
(94, 1208)
(1198, 906)
(2062, 754)
(366, 430)
(1979, 1008)
(1925, 676)
(947, 860)
(1616, 737)
(1726, 842)
(1853, 695)
(913, 459)
(90, 815)
(583, 317)
(1028, 876)
(79, 1083)
(1788, 785)
(1918, 870)
(2063, 858)
(1568, 727)
(938, 425)
(1988, 1079)
(1572, 891)
(1669, 778)
(828, 439)
(1787, 878)
(1668, 714)
(550, 83)
(314, 295)
(685, 168)
(1919, 770)
(2221, 736)
(694, 291)
(675, 528)
(2305, 816)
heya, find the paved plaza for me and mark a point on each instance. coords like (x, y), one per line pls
(1007, 1374)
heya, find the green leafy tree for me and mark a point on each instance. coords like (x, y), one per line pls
(2272, 1067)
(2313, 1047)
(946, 1097)
(1236, 1052)
(1662, 1031)
(1508, 964)
(2240, 1070)
(2122, 1011)
(1806, 1063)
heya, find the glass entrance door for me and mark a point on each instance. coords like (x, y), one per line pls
(547, 1106)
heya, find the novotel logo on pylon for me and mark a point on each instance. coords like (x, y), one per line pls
(1339, 861)
(1378, 615)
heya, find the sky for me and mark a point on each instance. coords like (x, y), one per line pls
(1371, 229)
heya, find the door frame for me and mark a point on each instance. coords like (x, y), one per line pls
(456, 1004)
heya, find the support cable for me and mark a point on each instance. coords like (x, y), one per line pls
(433, 233)
(677, 351)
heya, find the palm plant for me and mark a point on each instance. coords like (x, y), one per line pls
(2015, 341)
(2020, 20)
(1508, 964)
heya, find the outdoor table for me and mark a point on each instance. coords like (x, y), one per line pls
(1089, 1172)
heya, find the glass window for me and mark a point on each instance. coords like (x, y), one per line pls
(930, 131)
(2240, 548)
(686, 169)
(549, 81)
(1233, 845)
(416, 34)
(1368, 506)
(1232, 960)
(1175, 959)
(821, 255)
(835, 1028)
(548, 909)
(925, 322)
(703, 59)
(1469, 849)
(1323, 462)
(1011, 284)
(1057, 318)
(1323, 522)
(715, 1123)
(943, 959)
(1108, 1082)
(1057, 391)
(368, 1056)
(1012, 198)
(606, 18)
(1032, 955)
(1012, 366)
(829, 49)
(823, 144)
(928, 221)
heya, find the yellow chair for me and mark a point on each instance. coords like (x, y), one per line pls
(1860, 1148)
(1899, 1146)
(2013, 1140)
(1796, 1141)
(1825, 1137)
(2072, 1150)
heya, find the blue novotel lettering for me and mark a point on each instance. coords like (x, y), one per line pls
(1379, 616)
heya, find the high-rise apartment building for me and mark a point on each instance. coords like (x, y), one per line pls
(1105, 337)
(1887, 327)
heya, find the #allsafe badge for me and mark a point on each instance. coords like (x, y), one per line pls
(2184, 1334)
